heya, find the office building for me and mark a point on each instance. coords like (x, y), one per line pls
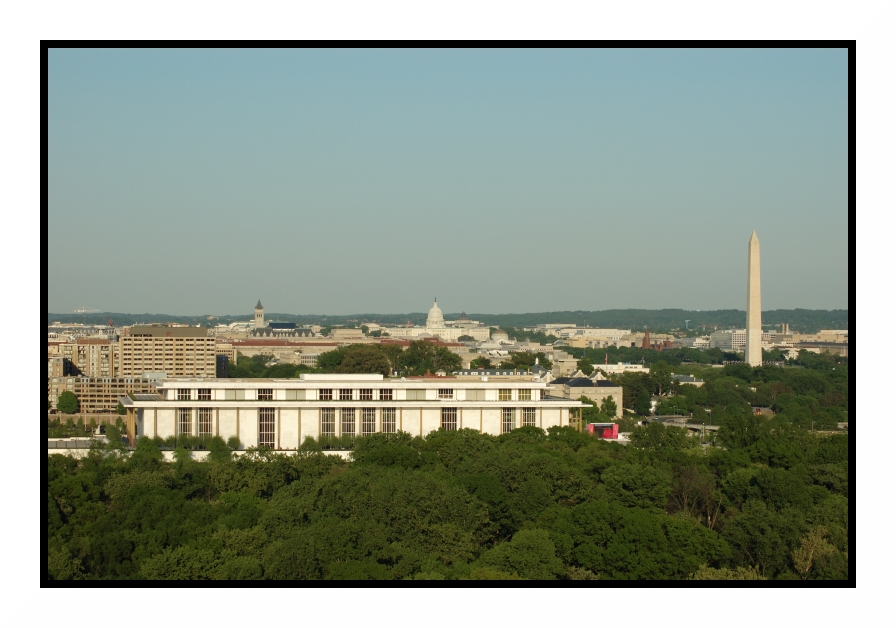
(594, 389)
(175, 351)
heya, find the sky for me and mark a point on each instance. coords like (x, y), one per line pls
(500, 181)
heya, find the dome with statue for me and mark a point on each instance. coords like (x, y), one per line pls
(435, 318)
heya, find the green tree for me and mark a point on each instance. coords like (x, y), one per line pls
(584, 365)
(724, 573)
(120, 409)
(661, 377)
(481, 363)
(656, 437)
(68, 403)
(642, 403)
(364, 359)
(355, 359)
(530, 554)
(422, 356)
(636, 485)
(608, 406)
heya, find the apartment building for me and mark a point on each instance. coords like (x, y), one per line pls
(175, 351)
(98, 394)
(91, 357)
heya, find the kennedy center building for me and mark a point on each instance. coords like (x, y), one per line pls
(753, 350)
(281, 413)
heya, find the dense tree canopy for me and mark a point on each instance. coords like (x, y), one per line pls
(419, 357)
(523, 360)
(460, 505)
(481, 363)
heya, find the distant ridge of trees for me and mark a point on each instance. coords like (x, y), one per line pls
(802, 320)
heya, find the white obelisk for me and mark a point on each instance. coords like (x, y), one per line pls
(753, 353)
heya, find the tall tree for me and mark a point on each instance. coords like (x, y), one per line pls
(68, 402)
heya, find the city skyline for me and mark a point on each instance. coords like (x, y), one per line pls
(503, 181)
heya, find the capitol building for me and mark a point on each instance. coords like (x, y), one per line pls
(438, 327)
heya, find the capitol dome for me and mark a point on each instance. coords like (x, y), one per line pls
(499, 335)
(435, 318)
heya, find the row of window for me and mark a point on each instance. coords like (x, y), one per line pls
(347, 418)
(364, 394)
(347, 421)
(202, 394)
(347, 394)
(185, 421)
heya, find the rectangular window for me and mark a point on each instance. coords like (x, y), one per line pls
(475, 395)
(265, 394)
(266, 427)
(345, 394)
(184, 420)
(348, 421)
(528, 417)
(449, 419)
(389, 420)
(416, 395)
(385, 394)
(205, 394)
(368, 421)
(183, 394)
(505, 394)
(446, 393)
(366, 394)
(325, 394)
(205, 421)
(295, 395)
(327, 421)
(508, 420)
(525, 394)
(544, 395)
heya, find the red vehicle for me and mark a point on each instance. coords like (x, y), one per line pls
(603, 430)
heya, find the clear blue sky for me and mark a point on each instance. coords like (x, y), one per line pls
(337, 182)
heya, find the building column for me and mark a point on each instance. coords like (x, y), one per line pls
(131, 427)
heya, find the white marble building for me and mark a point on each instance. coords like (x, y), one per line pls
(281, 413)
(437, 327)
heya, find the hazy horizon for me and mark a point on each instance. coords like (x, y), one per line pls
(512, 181)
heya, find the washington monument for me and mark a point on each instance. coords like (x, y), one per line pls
(753, 354)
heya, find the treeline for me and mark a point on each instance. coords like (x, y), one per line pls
(805, 321)
(460, 505)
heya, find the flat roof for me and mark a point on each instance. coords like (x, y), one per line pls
(159, 331)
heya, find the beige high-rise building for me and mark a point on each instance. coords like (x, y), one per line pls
(175, 351)
(91, 357)
(753, 349)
